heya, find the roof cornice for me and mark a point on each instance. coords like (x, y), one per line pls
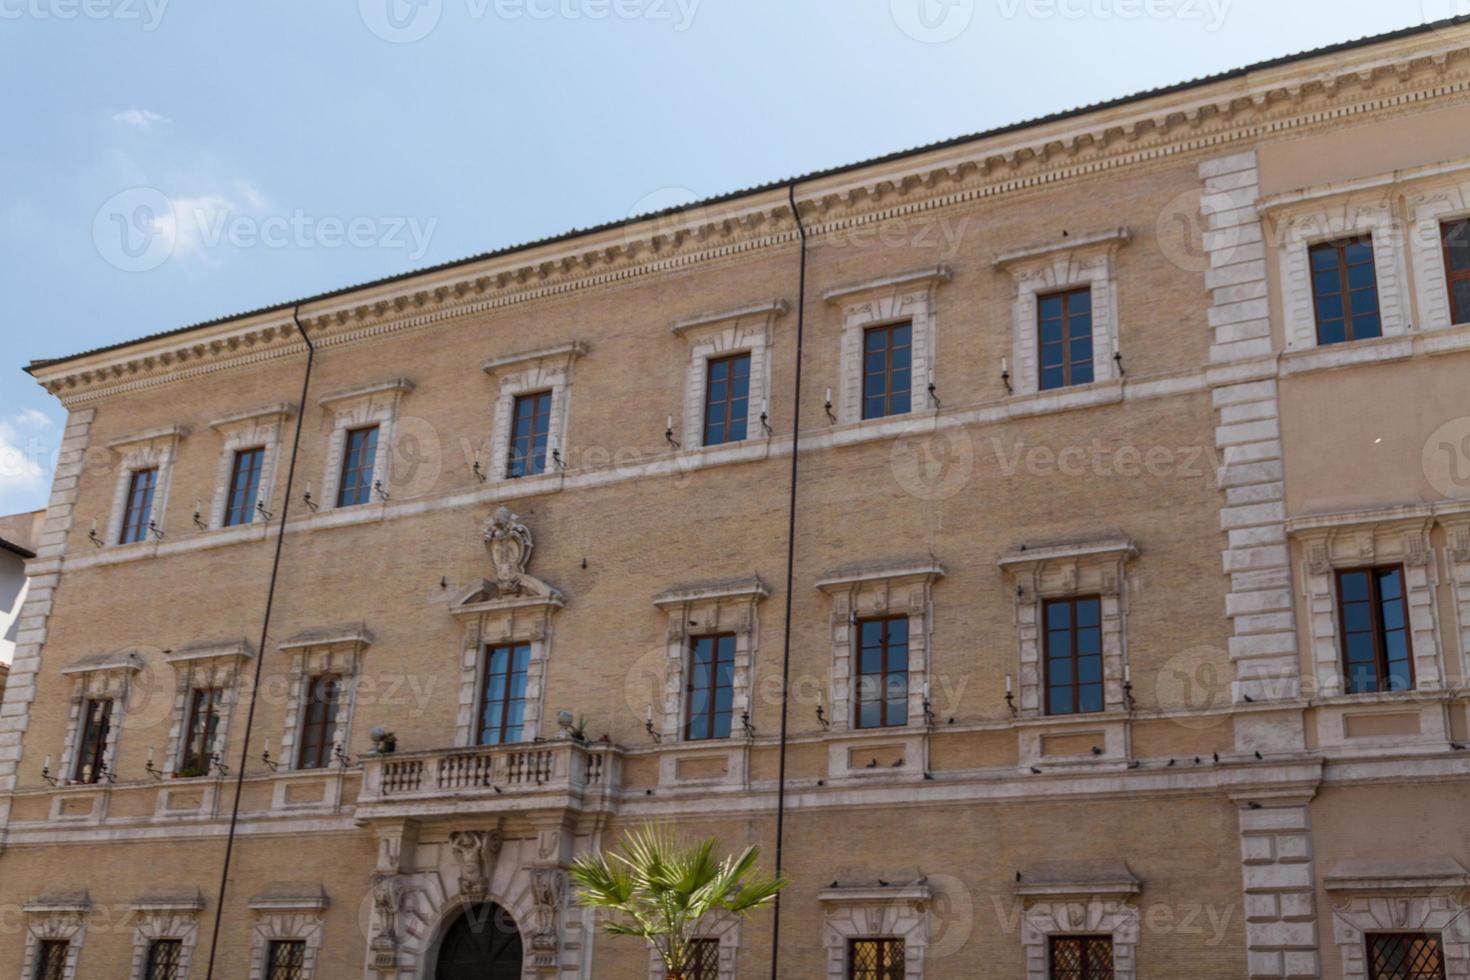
(1314, 91)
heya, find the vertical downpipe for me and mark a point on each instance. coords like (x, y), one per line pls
(270, 596)
(790, 579)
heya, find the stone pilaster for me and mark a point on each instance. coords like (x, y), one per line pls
(45, 573)
(1263, 645)
(1278, 884)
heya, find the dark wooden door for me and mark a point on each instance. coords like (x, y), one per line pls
(483, 944)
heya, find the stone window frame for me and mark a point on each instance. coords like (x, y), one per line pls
(905, 297)
(746, 330)
(1418, 896)
(326, 650)
(359, 408)
(1299, 225)
(104, 676)
(883, 912)
(495, 621)
(1399, 536)
(1457, 559)
(255, 428)
(1073, 263)
(720, 926)
(206, 664)
(544, 369)
(716, 607)
(903, 587)
(1064, 571)
(165, 916)
(287, 911)
(154, 449)
(1428, 210)
(59, 916)
(1095, 915)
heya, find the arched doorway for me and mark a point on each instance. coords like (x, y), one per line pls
(483, 944)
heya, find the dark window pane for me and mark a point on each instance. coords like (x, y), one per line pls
(138, 510)
(96, 729)
(886, 363)
(244, 487)
(1064, 336)
(1376, 649)
(51, 959)
(1345, 290)
(1405, 956)
(875, 959)
(319, 721)
(1081, 957)
(205, 709)
(727, 399)
(882, 675)
(503, 696)
(530, 433)
(1073, 655)
(709, 691)
(285, 960)
(359, 456)
(703, 960)
(163, 960)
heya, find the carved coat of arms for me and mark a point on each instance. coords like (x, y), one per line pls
(509, 543)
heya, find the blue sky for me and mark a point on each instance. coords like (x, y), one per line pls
(284, 147)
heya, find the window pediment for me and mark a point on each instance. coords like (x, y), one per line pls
(291, 896)
(891, 572)
(110, 661)
(1077, 879)
(758, 313)
(347, 634)
(252, 418)
(1064, 567)
(138, 442)
(1107, 241)
(341, 398)
(1441, 875)
(486, 596)
(222, 650)
(751, 588)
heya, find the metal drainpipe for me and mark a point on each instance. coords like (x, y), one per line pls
(224, 875)
(790, 579)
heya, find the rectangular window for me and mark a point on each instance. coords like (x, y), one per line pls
(358, 456)
(1081, 957)
(244, 487)
(138, 509)
(1064, 338)
(163, 960)
(285, 959)
(1375, 631)
(1457, 267)
(319, 722)
(51, 959)
(887, 369)
(92, 753)
(883, 672)
(1345, 290)
(1073, 635)
(205, 705)
(503, 698)
(1405, 956)
(703, 961)
(530, 429)
(875, 959)
(727, 399)
(710, 690)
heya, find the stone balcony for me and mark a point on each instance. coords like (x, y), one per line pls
(561, 774)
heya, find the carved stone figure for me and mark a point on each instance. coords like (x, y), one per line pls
(509, 543)
(477, 851)
(387, 906)
(548, 886)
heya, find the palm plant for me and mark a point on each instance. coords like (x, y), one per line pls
(663, 886)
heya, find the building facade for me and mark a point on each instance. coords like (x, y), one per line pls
(1061, 535)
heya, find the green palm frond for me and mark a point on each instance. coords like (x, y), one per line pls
(661, 886)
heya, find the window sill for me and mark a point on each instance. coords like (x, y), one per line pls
(1444, 339)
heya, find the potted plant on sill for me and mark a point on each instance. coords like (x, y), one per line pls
(660, 888)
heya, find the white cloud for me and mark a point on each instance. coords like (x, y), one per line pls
(25, 458)
(139, 118)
